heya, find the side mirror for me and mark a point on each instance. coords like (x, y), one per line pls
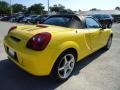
(103, 26)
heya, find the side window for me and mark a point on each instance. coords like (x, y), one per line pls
(75, 23)
(91, 23)
(97, 16)
(106, 16)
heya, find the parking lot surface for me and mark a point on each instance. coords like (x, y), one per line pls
(99, 71)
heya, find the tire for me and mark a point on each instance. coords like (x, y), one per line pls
(20, 21)
(28, 22)
(108, 45)
(109, 25)
(64, 66)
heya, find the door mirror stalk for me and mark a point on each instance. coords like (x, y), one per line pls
(103, 27)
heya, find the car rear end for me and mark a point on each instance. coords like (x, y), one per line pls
(25, 53)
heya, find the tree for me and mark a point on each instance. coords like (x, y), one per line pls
(117, 8)
(57, 8)
(36, 9)
(94, 9)
(4, 8)
(18, 8)
(79, 10)
(54, 8)
(69, 11)
(60, 9)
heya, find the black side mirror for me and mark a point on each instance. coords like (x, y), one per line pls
(103, 26)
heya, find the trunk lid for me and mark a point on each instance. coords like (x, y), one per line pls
(27, 31)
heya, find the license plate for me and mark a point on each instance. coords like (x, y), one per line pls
(11, 52)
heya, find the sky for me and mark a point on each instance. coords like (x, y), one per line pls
(73, 4)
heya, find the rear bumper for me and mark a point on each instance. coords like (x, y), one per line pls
(35, 63)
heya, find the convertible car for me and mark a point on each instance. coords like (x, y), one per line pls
(53, 47)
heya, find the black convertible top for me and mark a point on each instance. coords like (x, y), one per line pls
(70, 15)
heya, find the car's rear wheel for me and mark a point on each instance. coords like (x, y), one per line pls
(109, 42)
(109, 25)
(64, 66)
(28, 22)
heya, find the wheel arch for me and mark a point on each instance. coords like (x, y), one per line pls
(71, 50)
(64, 47)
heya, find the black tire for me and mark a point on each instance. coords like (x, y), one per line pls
(108, 45)
(56, 74)
(28, 22)
(109, 25)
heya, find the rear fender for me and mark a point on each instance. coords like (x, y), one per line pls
(62, 47)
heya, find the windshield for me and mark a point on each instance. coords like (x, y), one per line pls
(97, 16)
(58, 21)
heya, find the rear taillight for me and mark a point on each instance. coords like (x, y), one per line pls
(39, 41)
(12, 28)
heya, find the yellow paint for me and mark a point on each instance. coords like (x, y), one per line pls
(84, 41)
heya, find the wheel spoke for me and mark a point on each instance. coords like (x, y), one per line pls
(66, 66)
(71, 60)
(61, 68)
(71, 66)
(65, 73)
(65, 58)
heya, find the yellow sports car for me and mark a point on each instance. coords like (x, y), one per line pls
(53, 47)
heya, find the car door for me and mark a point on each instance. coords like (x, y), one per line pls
(84, 48)
(93, 33)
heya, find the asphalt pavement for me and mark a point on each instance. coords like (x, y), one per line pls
(99, 71)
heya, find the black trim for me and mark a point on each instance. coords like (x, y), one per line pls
(15, 39)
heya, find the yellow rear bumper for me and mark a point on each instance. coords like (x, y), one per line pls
(36, 63)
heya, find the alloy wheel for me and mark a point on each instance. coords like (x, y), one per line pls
(66, 66)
